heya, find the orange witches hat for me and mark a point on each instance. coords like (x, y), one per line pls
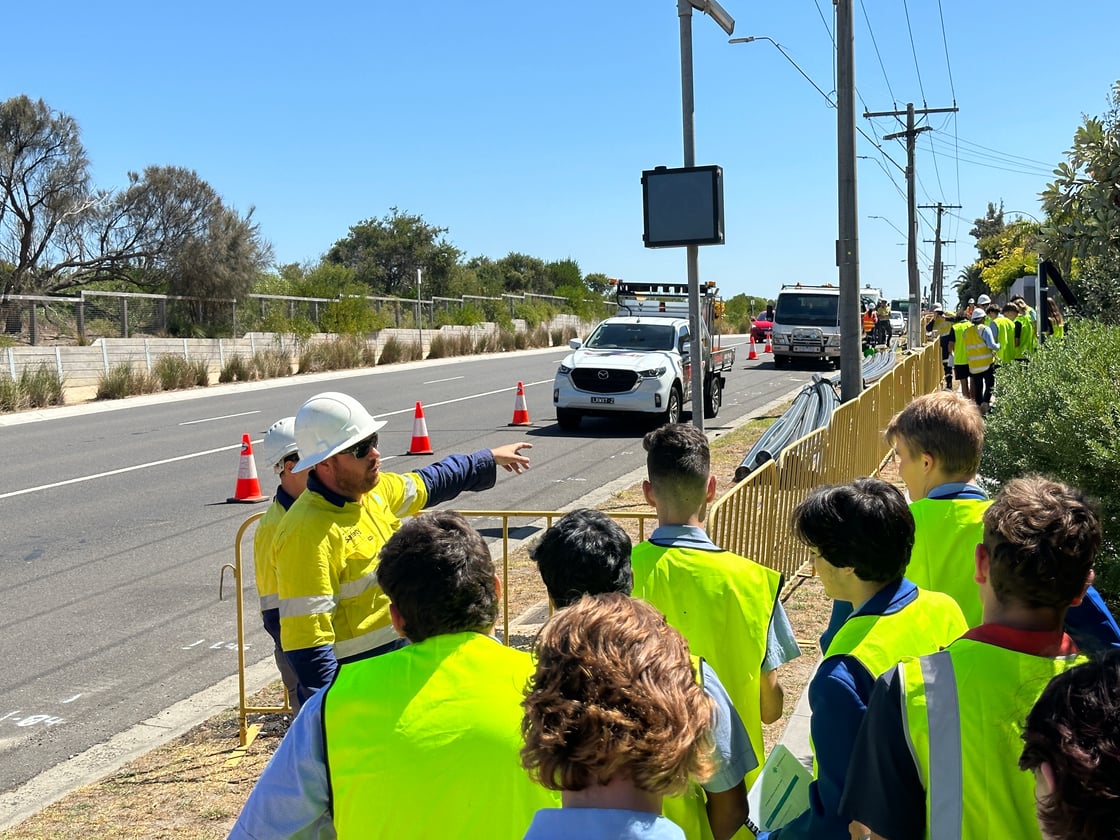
(248, 488)
(767, 348)
(420, 445)
(752, 355)
(520, 409)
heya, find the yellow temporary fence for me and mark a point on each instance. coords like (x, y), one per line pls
(751, 519)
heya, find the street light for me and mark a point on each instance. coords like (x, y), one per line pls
(688, 117)
(788, 58)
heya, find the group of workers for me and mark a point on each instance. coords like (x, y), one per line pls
(639, 713)
(876, 322)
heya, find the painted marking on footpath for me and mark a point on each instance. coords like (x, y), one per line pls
(30, 720)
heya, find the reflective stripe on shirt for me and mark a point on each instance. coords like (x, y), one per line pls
(309, 605)
(367, 641)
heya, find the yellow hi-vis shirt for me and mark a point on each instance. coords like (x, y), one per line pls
(960, 354)
(722, 604)
(963, 709)
(1005, 336)
(326, 566)
(425, 742)
(946, 533)
(264, 565)
(980, 355)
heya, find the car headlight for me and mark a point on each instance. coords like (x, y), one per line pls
(564, 369)
(652, 373)
(834, 340)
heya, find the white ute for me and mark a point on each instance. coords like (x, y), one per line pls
(638, 361)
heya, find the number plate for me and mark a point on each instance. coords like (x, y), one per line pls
(805, 348)
(603, 400)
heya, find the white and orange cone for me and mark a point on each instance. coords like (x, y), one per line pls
(751, 356)
(420, 445)
(520, 409)
(768, 348)
(248, 490)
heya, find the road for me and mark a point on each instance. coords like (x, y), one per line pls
(115, 526)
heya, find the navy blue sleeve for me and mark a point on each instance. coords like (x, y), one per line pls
(882, 788)
(1091, 625)
(315, 667)
(271, 619)
(457, 474)
(837, 698)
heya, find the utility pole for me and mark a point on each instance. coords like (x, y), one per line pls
(847, 243)
(937, 291)
(911, 133)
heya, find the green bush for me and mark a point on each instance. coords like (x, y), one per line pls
(271, 363)
(124, 381)
(174, 372)
(339, 353)
(1059, 416)
(42, 386)
(394, 350)
(237, 369)
(12, 397)
(447, 344)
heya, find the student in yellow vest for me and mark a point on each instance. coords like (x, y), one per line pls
(587, 553)
(937, 753)
(1072, 745)
(941, 327)
(726, 606)
(894, 619)
(1057, 324)
(614, 720)
(958, 350)
(981, 348)
(1025, 334)
(1005, 334)
(280, 452)
(421, 742)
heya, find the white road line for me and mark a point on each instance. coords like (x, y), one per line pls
(459, 399)
(223, 417)
(80, 479)
(437, 381)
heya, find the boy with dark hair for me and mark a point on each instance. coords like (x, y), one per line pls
(894, 619)
(1072, 744)
(936, 754)
(725, 605)
(383, 751)
(587, 553)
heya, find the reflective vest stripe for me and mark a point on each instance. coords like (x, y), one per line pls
(354, 588)
(367, 641)
(310, 605)
(270, 602)
(945, 791)
(406, 504)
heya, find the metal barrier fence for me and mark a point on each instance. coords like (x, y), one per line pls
(749, 520)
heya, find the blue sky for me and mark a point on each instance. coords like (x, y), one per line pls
(526, 126)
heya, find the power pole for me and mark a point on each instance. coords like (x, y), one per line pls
(911, 134)
(937, 291)
(847, 243)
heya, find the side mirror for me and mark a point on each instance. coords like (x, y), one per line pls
(575, 343)
(686, 347)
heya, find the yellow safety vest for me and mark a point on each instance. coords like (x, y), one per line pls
(689, 811)
(878, 642)
(980, 355)
(426, 741)
(972, 698)
(1026, 337)
(1005, 335)
(1057, 330)
(722, 604)
(942, 326)
(960, 354)
(264, 566)
(946, 533)
(326, 566)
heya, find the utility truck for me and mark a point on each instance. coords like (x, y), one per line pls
(807, 322)
(638, 361)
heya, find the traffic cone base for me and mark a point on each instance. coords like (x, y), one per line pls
(752, 355)
(248, 490)
(768, 348)
(421, 445)
(520, 409)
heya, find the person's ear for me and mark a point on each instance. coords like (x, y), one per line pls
(498, 587)
(1088, 582)
(711, 492)
(983, 563)
(928, 462)
(647, 491)
(397, 619)
(1046, 776)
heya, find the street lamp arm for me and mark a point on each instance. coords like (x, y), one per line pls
(716, 12)
(788, 58)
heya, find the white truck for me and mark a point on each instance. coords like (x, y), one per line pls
(638, 362)
(807, 322)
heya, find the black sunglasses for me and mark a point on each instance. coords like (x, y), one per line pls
(361, 449)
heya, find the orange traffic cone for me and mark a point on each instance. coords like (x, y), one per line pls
(520, 409)
(752, 355)
(248, 486)
(420, 445)
(767, 348)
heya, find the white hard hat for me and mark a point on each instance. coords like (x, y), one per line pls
(279, 441)
(937, 307)
(328, 423)
(983, 300)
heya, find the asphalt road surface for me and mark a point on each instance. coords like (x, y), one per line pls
(114, 525)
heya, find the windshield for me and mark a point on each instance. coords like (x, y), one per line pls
(807, 309)
(632, 337)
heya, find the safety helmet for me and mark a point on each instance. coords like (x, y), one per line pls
(937, 307)
(327, 424)
(983, 300)
(279, 441)
(978, 314)
(971, 301)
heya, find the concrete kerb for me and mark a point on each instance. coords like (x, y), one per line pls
(102, 759)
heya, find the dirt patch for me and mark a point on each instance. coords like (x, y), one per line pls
(194, 787)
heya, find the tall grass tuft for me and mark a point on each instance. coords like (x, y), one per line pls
(124, 381)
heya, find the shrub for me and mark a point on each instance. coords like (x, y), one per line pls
(1060, 416)
(539, 337)
(507, 339)
(394, 350)
(237, 369)
(339, 353)
(271, 363)
(41, 387)
(124, 381)
(447, 344)
(176, 372)
(12, 397)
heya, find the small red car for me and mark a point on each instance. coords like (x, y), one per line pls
(760, 327)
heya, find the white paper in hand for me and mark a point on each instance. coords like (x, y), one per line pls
(781, 791)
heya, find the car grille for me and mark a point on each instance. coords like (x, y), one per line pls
(604, 380)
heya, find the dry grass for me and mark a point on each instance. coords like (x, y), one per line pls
(193, 787)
